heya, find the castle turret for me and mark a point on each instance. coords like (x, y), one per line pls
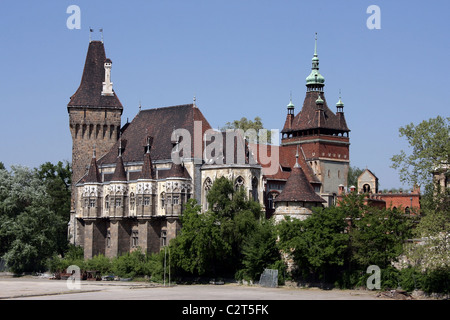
(94, 112)
(322, 134)
(94, 118)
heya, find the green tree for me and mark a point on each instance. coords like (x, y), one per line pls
(211, 243)
(260, 250)
(353, 174)
(248, 126)
(430, 145)
(29, 227)
(199, 248)
(433, 231)
(57, 182)
(318, 244)
(236, 215)
(378, 237)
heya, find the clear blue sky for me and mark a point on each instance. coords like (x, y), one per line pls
(238, 57)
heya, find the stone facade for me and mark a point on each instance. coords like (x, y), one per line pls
(129, 192)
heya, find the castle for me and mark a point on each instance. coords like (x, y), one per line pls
(131, 182)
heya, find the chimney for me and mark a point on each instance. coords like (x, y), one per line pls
(107, 85)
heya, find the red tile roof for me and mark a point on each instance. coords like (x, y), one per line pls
(298, 189)
(310, 118)
(286, 156)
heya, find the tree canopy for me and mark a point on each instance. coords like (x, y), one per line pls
(34, 210)
(430, 144)
(251, 127)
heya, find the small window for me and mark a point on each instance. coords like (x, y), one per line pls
(92, 203)
(118, 202)
(107, 202)
(176, 199)
(163, 238)
(86, 203)
(270, 201)
(108, 239)
(146, 201)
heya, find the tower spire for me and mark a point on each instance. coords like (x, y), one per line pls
(315, 81)
(315, 46)
(340, 104)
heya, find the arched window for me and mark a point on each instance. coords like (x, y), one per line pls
(407, 210)
(366, 188)
(132, 200)
(239, 182)
(255, 189)
(107, 202)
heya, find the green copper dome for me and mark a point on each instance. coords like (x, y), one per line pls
(319, 100)
(290, 105)
(339, 103)
(315, 77)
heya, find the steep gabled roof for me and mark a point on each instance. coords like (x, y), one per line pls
(89, 93)
(158, 123)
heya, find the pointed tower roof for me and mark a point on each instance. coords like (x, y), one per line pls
(93, 175)
(309, 118)
(297, 188)
(178, 171)
(89, 93)
(147, 167)
(119, 173)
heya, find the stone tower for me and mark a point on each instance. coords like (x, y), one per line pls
(94, 114)
(321, 134)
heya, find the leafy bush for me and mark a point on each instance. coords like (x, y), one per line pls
(437, 281)
(99, 263)
(410, 279)
(129, 265)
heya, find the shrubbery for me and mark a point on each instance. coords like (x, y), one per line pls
(128, 265)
